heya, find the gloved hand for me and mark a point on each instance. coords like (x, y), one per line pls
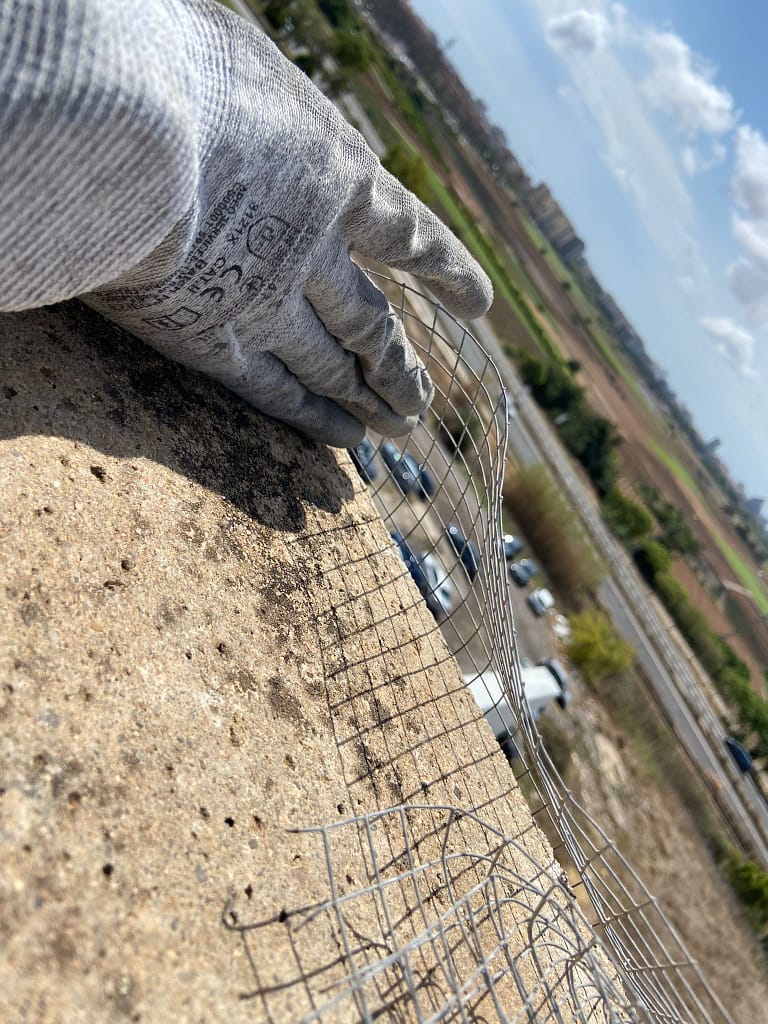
(268, 189)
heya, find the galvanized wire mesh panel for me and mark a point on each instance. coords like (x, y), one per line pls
(467, 926)
(461, 443)
(423, 909)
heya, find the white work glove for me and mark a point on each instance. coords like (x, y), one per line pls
(165, 159)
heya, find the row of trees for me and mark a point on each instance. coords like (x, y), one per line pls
(729, 673)
(653, 541)
(653, 531)
(591, 438)
(319, 30)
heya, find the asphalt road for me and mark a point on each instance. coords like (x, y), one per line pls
(675, 694)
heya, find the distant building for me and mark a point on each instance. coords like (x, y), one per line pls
(754, 506)
(553, 224)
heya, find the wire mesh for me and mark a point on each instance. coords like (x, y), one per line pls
(427, 909)
(452, 480)
(467, 926)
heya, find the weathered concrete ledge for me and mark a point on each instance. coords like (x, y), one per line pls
(206, 640)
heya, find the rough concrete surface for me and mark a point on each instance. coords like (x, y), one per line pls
(206, 642)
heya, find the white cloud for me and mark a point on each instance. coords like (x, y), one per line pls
(749, 284)
(748, 276)
(750, 179)
(681, 84)
(579, 31)
(694, 161)
(733, 343)
(602, 91)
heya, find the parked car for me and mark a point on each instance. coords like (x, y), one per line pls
(540, 601)
(430, 577)
(522, 571)
(512, 545)
(398, 467)
(442, 589)
(363, 457)
(466, 550)
(740, 755)
(559, 673)
(425, 482)
(561, 627)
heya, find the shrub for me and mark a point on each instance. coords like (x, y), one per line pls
(553, 531)
(750, 882)
(351, 50)
(652, 559)
(676, 534)
(596, 647)
(629, 521)
(410, 169)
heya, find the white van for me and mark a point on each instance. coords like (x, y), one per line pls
(541, 685)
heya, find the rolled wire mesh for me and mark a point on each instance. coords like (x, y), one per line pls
(462, 441)
(469, 928)
(429, 910)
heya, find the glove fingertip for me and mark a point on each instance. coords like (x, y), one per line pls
(404, 428)
(470, 296)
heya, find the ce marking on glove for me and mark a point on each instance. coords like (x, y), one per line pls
(215, 292)
(175, 321)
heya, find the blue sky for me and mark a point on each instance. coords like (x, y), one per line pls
(649, 121)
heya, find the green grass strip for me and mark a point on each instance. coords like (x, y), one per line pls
(677, 468)
(746, 576)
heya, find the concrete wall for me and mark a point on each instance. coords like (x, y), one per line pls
(206, 641)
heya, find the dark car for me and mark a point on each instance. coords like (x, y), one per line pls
(398, 467)
(465, 549)
(512, 546)
(425, 482)
(522, 571)
(419, 577)
(740, 755)
(362, 455)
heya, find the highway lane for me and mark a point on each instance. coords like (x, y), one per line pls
(697, 727)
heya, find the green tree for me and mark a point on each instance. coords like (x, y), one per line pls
(351, 50)
(551, 383)
(338, 12)
(278, 13)
(597, 648)
(629, 521)
(410, 168)
(652, 558)
(593, 440)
